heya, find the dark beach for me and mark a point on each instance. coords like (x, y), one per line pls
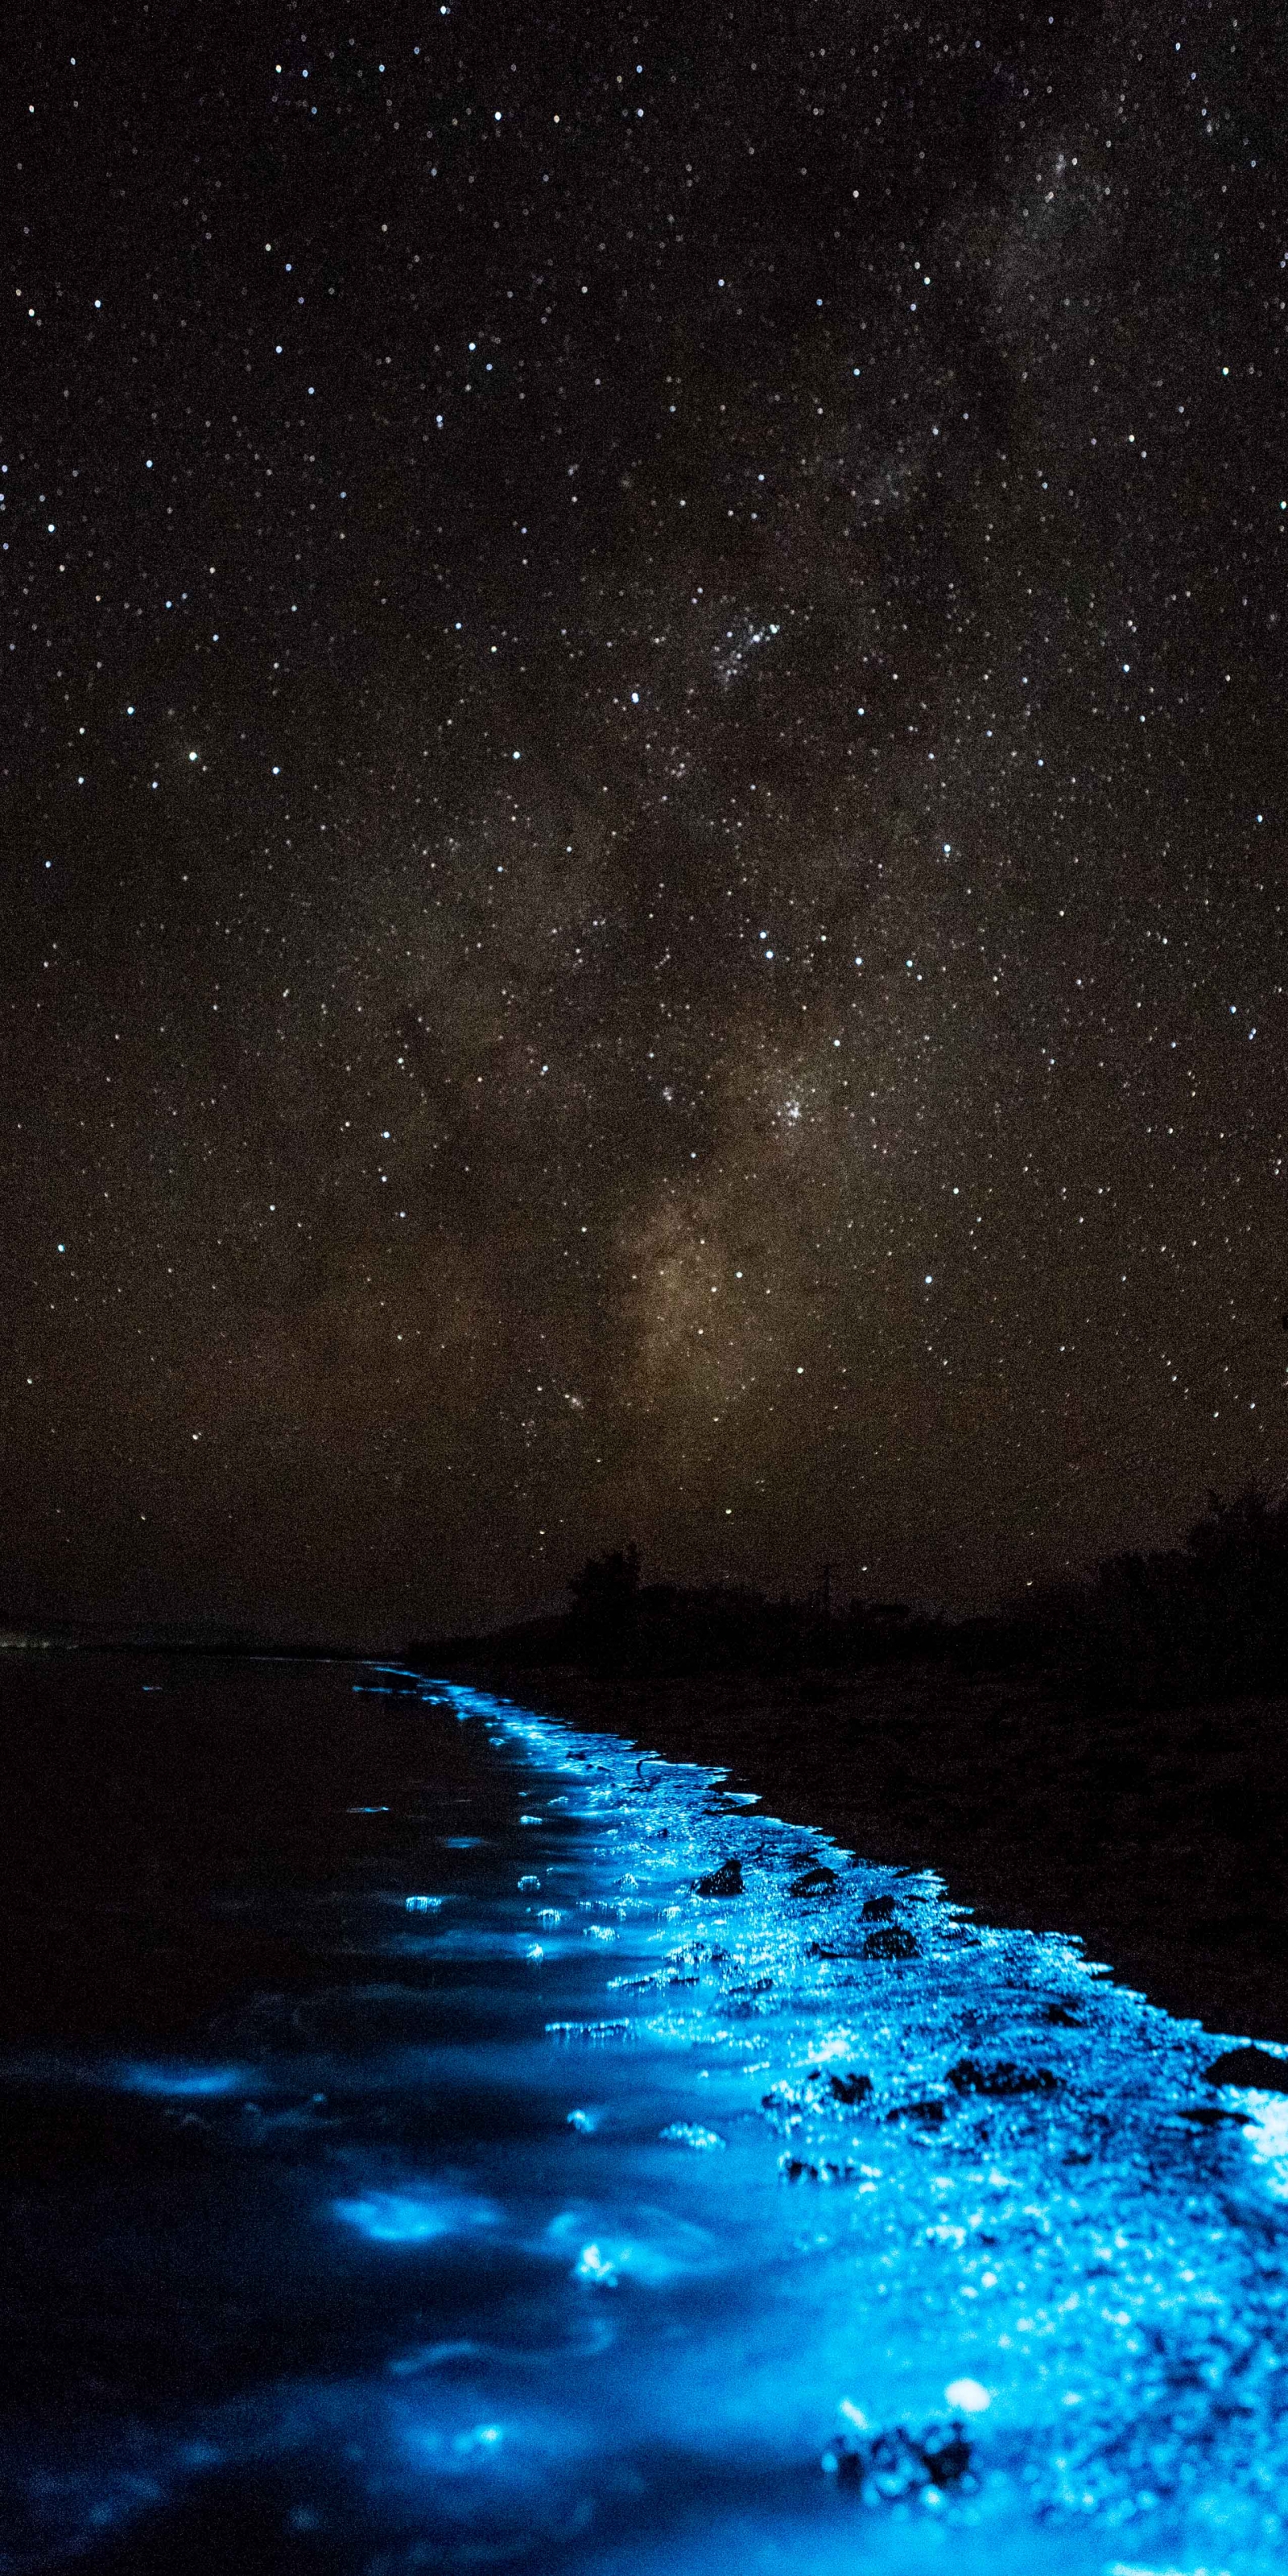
(1156, 1836)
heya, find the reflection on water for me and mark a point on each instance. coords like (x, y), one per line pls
(641, 2184)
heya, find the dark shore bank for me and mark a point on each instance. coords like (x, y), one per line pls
(1157, 1835)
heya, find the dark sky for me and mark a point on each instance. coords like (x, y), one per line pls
(644, 798)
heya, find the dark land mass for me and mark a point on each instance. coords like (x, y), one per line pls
(1110, 1761)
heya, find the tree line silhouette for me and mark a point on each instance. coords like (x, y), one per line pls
(1206, 1620)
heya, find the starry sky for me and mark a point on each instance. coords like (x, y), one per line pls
(644, 799)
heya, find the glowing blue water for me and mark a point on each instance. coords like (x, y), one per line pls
(583, 2220)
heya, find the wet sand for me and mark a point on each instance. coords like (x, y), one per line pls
(1157, 1837)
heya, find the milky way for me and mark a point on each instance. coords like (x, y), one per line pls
(645, 791)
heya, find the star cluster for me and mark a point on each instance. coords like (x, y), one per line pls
(646, 808)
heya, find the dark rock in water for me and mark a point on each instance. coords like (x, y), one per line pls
(878, 1909)
(783, 2104)
(946, 2454)
(1005, 2078)
(1254, 2066)
(850, 2088)
(1208, 2116)
(930, 2112)
(1061, 2013)
(892, 1941)
(725, 1881)
(846, 2462)
(813, 1882)
(795, 2169)
(898, 2465)
(895, 2465)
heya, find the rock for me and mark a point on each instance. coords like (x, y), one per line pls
(898, 2465)
(891, 1941)
(930, 2113)
(795, 2169)
(878, 1909)
(850, 2088)
(845, 2461)
(1251, 2066)
(782, 2103)
(813, 1882)
(725, 1881)
(1004, 2079)
(946, 2454)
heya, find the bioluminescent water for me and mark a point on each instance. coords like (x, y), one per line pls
(633, 2182)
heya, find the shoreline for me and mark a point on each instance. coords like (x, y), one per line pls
(1156, 1837)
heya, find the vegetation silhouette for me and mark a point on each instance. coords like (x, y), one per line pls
(1204, 1621)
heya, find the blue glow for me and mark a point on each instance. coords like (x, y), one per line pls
(657, 2248)
(393, 2219)
(412, 2217)
(184, 2082)
(905, 2244)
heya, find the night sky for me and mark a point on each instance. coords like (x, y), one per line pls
(644, 799)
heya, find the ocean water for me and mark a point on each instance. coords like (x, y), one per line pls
(624, 2180)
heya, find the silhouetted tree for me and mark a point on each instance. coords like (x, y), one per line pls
(605, 1607)
(1199, 1622)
